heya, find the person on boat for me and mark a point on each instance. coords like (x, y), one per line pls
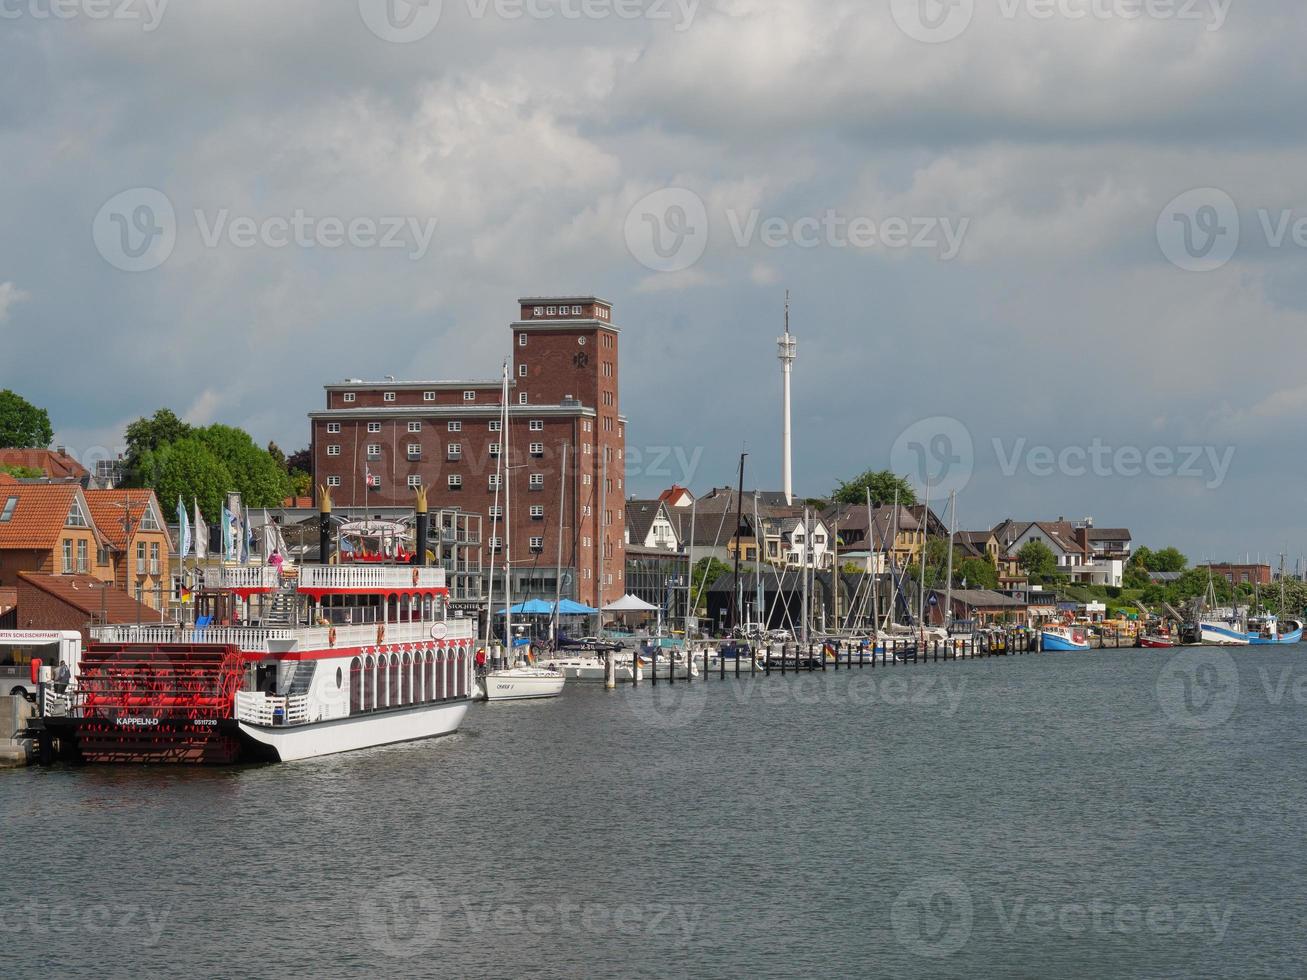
(481, 661)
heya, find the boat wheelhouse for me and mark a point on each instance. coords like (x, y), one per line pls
(280, 664)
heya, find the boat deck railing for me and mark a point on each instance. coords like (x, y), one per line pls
(258, 639)
(258, 708)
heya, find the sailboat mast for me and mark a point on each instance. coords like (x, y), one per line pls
(948, 581)
(739, 516)
(508, 524)
(921, 588)
(494, 514)
(872, 563)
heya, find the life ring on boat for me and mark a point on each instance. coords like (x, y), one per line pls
(331, 637)
(381, 634)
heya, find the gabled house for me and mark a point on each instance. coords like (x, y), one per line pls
(48, 528)
(676, 496)
(977, 544)
(649, 525)
(53, 464)
(132, 525)
(1070, 545)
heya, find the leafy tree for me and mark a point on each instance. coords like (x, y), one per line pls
(1037, 559)
(1142, 558)
(882, 484)
(978, 573)
(301, 483)
(1168, 560)
(22, 424)
(706, 572)
(277, 455)
(301, 460)
(147, 435)
(187, 468)
(1136, 577)
(254, 472)
(23, 472)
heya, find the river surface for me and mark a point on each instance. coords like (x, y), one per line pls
(1117, 814)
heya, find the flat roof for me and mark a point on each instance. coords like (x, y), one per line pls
(357, 383)
(558, 300)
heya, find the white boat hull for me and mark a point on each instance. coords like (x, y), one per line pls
(591, 670)
(362, 731)
(513, 685)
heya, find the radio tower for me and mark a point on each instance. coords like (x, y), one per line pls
(787, 349)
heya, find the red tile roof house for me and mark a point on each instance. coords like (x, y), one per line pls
(54, 463)
(76, 602)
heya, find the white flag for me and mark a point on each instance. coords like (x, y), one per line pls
(201, 534)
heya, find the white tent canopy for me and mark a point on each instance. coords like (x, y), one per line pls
(630, 603)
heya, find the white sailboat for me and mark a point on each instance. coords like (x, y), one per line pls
(520, 680)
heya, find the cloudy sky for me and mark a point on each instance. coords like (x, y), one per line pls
(1050, 249)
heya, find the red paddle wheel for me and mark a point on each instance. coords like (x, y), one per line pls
(158, 703)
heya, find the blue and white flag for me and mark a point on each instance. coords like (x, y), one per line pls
(229, 530)
(184, 530)
(247, 537)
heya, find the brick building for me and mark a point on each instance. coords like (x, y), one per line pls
(377, 441)
(76, 602)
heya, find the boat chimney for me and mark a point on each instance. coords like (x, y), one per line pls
(423, 525)
(324, 525)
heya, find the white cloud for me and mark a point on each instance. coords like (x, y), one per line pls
(9, 295)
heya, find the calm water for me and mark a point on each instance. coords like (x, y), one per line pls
(1114, 814)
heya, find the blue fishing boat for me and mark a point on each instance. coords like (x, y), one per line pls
(1064, 639)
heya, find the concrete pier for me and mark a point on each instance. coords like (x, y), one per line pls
(14, 713)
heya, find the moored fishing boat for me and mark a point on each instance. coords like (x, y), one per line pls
(1066, 639)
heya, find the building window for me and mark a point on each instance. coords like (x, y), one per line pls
(494, 449)
(333, 481)
(469, 396)
(414, 481)
(333, 428)
(537, 512)
(454, 450)
(537, 544)
(333, 450)
(585, 425)
(348, 396)
(68, 556)
(102, 556)
(538, 311)
(576, 311)
(537, 481)
(428, 396)
(537, 425)
(521, 399)
(585, 479)
(374, 450)
(415, 427)
(455, 481)
(414, 451)
(496, 512)
(521, 340)
(374, 426)
(493, 481)
(537, 449)
(155, 567)
(521, 370)
(82, 561)
(496, 425)
(388, 396)
(551, 311)
(454, 427)
(496, 543)
(140, 558)
(580, 341)
(376, 482)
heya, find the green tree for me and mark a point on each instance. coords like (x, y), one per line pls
(147, 435)
(1037, 559)
(23, 472)
(882, 484)
(254, 472)
(301, 483)
(22, 424)
(978, 573)
(1168, 560)
(1142, 558)
(706, 572)
(188, 469)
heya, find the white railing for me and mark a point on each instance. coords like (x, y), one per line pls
(241, 577)
(254, 639)
(398, 577)
(258, 708)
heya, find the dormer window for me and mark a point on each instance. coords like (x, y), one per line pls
(75, 516)
(8, 510)
(348, 396)
(148, 523)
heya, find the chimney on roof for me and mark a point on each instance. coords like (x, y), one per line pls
(62, 451)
